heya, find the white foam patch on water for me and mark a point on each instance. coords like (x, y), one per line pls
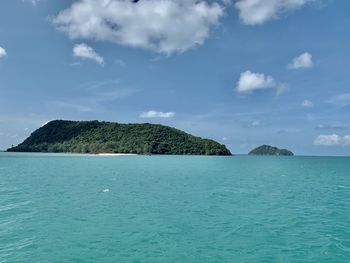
(105, 190)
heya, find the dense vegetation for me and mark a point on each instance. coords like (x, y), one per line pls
(107, 137)
(270, 150)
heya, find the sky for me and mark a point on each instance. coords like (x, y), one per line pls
(241, 72)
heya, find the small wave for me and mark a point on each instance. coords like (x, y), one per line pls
(342, 186)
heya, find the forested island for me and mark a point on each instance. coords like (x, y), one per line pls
(95, 137)
(270, 150)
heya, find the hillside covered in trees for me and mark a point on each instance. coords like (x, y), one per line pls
(270, 150)
(107, 137)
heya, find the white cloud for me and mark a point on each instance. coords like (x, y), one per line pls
(332, 140)
(328, 140)
(302, 61)
(164, 26)
(157, 114)
(307, 104)
(3, 52)
(86, 52)
(250, 82)
(255, 12)
(256, 123)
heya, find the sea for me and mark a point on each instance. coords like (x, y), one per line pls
(84, 208)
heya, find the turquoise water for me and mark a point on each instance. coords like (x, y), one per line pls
(57, 208)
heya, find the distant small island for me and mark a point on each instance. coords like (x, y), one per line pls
(61, 136)
(270, 150)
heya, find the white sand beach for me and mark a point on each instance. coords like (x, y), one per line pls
(116, 154)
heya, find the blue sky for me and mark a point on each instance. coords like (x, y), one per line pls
(242, 72)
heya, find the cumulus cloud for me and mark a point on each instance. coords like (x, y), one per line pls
(332, 140)
(307, 104)
(157, 114)
(250, 82)
(302, 61)
(86, 52)
(3, 52)
(255, 12)
(164, 26)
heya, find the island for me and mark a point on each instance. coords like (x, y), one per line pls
(62, 136)
(270, 150)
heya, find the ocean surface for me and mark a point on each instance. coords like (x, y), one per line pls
(71, 208)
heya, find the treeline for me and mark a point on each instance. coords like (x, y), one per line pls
(107, 137)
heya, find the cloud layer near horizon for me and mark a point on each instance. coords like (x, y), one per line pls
(332, 140)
